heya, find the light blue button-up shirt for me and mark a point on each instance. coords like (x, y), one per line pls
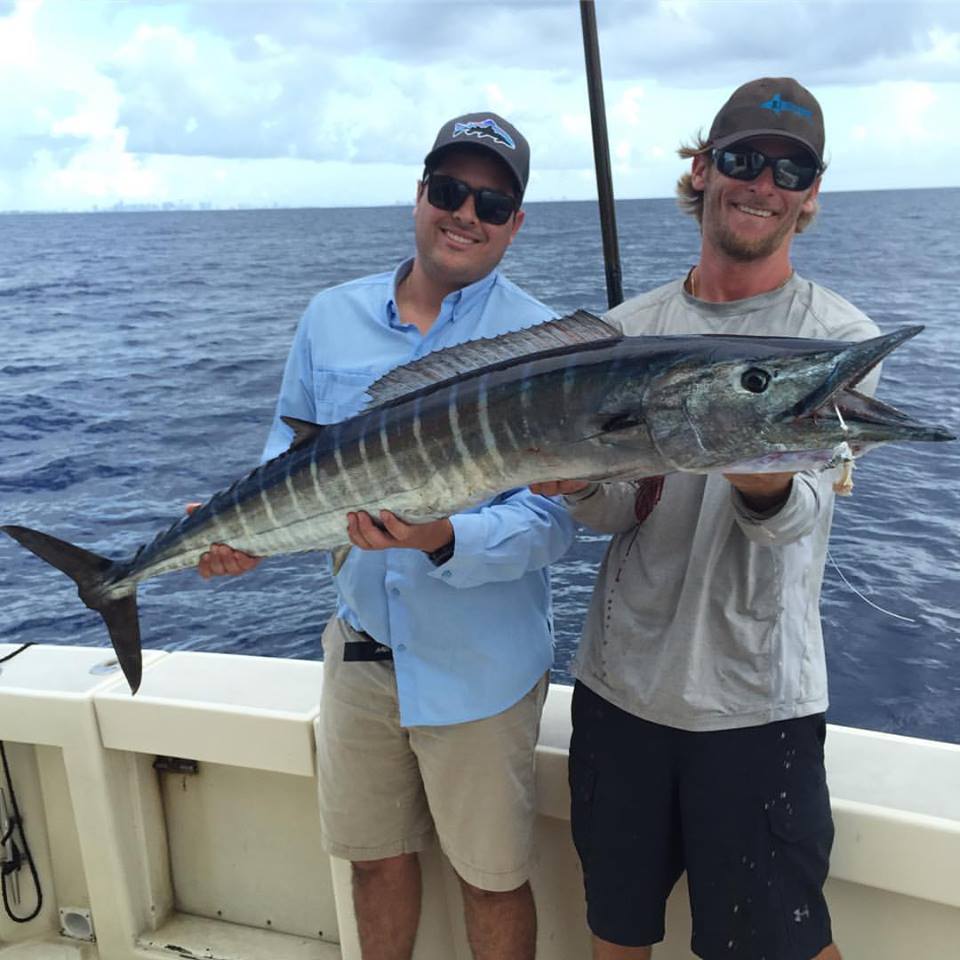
(472, 636)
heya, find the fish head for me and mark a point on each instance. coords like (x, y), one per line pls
(766, 404)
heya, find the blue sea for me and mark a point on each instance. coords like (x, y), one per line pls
(140, 355)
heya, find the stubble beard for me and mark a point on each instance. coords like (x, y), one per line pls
(735, 246)
(747, 249)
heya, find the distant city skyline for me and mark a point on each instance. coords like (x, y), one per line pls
(297, 104)
(172, 206)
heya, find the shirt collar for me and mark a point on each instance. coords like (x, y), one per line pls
(399, 275)
(468, 294)
(758, 302)
(463, 296)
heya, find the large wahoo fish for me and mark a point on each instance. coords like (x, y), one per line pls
(571, 398)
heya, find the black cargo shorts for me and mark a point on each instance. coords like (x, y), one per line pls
(745, 812)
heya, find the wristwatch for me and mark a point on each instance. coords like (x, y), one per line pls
(442, 554)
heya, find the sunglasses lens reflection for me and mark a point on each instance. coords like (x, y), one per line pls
(789, 173)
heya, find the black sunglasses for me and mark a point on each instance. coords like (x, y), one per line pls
(449, 193)
(789, 173)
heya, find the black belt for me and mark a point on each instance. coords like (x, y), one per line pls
(365, 649)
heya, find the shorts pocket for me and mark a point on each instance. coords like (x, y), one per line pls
(800, 816)
(801, 838)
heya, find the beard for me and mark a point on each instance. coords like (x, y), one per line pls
(736, 246)
(746, 249)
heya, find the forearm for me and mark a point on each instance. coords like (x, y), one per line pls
(794, 517)
(762, 493)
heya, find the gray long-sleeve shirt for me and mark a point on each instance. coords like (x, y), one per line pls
(706, 615)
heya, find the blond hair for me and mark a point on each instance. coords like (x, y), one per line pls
(690, 200)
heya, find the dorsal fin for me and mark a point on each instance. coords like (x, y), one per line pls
(578, 327)
(303, 430)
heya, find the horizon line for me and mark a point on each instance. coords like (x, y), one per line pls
(205, 206)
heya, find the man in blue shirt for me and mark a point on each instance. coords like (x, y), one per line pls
(435, 665)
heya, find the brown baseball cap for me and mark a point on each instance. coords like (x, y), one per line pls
(486, 131)
(771, 107)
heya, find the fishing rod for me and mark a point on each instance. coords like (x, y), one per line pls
(601, 154)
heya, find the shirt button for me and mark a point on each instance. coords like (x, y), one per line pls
(401, 647)
(394, 592)
(446, 574)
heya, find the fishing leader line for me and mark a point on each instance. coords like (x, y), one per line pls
(844, 487)
(866, 600)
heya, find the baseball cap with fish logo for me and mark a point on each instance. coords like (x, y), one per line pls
(771, 107)
(486, 131)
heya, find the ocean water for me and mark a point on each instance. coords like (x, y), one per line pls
(140, 355)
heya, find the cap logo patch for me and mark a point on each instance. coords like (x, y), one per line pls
(488, 129)
(777, 104)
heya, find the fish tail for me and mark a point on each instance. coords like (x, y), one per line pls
(88, 570)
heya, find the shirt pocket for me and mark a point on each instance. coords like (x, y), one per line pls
(339, 394)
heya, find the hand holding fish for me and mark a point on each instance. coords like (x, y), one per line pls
(221, 560)
(557, 488)
(391, 532)
(762, 491)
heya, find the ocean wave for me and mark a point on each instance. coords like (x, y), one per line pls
(141, 363)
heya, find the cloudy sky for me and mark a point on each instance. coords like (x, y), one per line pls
(319, 103)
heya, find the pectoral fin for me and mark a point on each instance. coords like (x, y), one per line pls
(303, 430)
(339, 555)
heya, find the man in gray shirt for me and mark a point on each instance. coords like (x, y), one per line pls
(698, 713)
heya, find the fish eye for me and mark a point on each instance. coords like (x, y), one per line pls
(755, 380)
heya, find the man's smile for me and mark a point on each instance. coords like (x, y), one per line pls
(461, 239)
(753, 211)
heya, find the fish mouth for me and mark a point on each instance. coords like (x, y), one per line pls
(865, 417)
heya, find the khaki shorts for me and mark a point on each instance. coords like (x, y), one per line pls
(384, 788)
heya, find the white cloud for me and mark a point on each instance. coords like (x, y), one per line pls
(497, 99)
(944, 47)
(628, 108)
(326, 102)
(914, 106)
(18, 45)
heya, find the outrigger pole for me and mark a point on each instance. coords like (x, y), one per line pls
(601, 154)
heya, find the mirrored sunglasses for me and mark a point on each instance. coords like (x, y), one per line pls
(789, 173)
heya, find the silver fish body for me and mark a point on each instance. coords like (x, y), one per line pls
(430, 445)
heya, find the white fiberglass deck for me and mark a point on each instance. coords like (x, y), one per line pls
(225, 862)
